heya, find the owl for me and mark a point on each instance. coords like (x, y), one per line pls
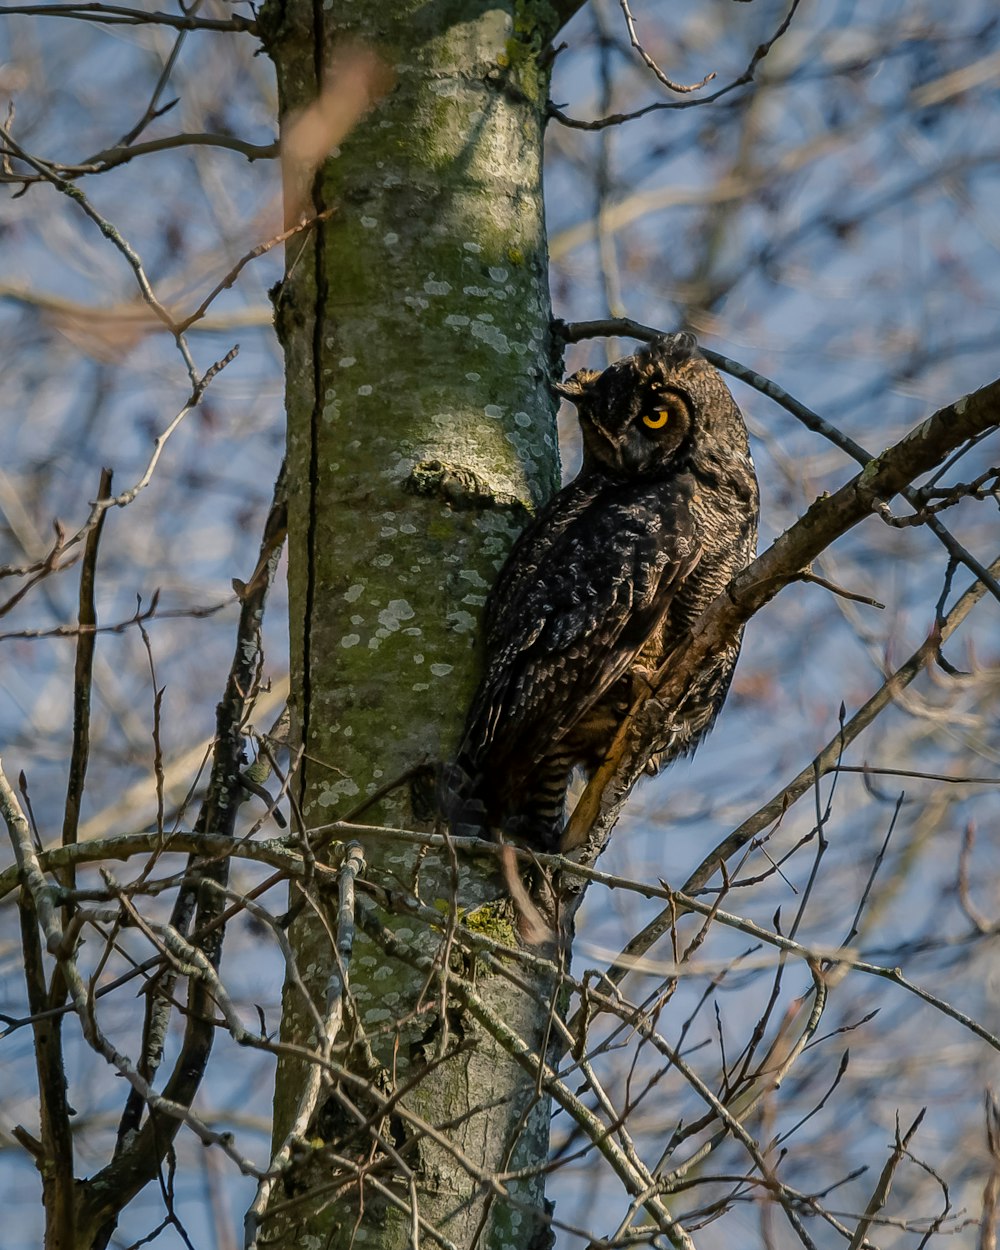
(603, 583)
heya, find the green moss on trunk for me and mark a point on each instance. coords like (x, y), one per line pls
(416, 328)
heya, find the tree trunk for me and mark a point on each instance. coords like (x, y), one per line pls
(416, 327)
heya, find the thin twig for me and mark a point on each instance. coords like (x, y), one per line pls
(807, 575)
(881, 1193)
(200, 386)
(648, 60)
(138, 618)
(154, 109)
(237, 269)
(870, 769)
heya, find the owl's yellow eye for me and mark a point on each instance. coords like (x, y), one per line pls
(656, 420)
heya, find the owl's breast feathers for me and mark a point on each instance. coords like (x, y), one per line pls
(588, 583)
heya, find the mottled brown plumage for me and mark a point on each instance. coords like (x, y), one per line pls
(602, 584)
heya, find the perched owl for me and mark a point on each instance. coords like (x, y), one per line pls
(602, 584)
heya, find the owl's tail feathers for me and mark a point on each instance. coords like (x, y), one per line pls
(459, 799)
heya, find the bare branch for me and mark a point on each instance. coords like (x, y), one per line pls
(119, 15)
(807, 575)
(244, 260)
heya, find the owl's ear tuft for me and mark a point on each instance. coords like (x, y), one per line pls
(670, 350)
(575, 387)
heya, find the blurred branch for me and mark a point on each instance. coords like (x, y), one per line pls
(119, 15)
(567, 8)
(128, 314)
(933, 93)
(835, 219)
(991, 1193)
(607, 244)
(736, 187)
(975, 74)
(100, 506)
(51, 562)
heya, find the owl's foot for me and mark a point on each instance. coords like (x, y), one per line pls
(540, 833)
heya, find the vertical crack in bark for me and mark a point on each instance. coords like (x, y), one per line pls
(319, 312)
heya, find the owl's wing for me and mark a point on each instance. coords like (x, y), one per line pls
(533, 546)
(567, 623)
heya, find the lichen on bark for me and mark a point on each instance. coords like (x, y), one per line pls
(416, 327)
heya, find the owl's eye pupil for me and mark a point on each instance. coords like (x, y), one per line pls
(656, 420)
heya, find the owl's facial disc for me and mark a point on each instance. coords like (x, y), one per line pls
(595, 434)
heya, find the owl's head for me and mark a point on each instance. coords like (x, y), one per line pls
(652, 411)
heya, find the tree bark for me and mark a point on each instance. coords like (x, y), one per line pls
(415, 321)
